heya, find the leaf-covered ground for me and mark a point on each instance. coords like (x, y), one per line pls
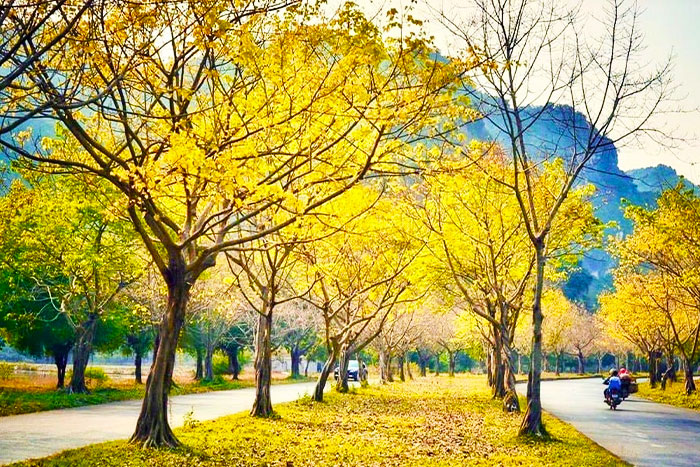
(431, 422)
(673, 395)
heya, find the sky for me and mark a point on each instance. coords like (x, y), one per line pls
(670, 28)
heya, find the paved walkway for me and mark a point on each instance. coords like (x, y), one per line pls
(641, 432)
(44, 433)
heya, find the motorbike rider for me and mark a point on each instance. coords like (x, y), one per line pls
(613, 382)
(625, 380)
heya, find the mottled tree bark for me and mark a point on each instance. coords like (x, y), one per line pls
(81, 355)
(199, 366)
(296, 355)
(262, 406)
(60, 358)
(323, 376)
(342, 384)
(209, 364)
(233, 366)
(137, 367)
(532, 422)
(152, 427)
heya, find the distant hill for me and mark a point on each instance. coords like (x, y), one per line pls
(654, 180)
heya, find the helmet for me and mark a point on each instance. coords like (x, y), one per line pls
(613, 372)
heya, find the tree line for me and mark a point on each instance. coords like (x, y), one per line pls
(264, 156)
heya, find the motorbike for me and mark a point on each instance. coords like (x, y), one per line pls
(613, 398)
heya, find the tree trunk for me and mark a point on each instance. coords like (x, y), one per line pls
(60, 358)
(532, 421)
(262, 407)
(581, 363)
(199, 369)
(389, 369)
(437, 364)
(137, 370)
(343, 360)
(557, 363)
(209, 364)
(81, 355)
(671, 364)
(408, 367)
(451, 368)
(306, 368)
(599, 358)
(400, 362)
(323, 376)
(689, 381)
(498, 388)
(511, 403)
(652, 369)
(152, 427)
(383, 366)
(296, 361)
(233, 366)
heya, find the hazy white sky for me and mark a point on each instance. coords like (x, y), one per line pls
(671, 28)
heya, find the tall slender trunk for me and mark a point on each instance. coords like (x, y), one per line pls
(137, 367)
(389, 369)
(209, 363)
(671, 364)
(511, 403)
(60, 358)
(689, 381)
(383, 366)
(532, 421)
(437, 364)
(408, 367)
(451, 365)
(498, 388)
(296, 361)
(152, 427)
(306, 368)
(343, 360)
(489, 367)
(652, 369)
(400, 362)
(325, 373)
(262, 406)
(581, 363)
(81, 354)
(233, 366)
(599, 358)
(520, 364)
(199, 368)
(557, 363)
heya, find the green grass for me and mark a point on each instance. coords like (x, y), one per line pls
(14, 401)
(430, 422)
(673, 395)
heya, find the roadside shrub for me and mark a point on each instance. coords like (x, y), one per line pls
(6, 370)
(94, 376)
(220, 364)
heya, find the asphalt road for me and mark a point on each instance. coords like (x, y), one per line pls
(641, 432)
(44, 433)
